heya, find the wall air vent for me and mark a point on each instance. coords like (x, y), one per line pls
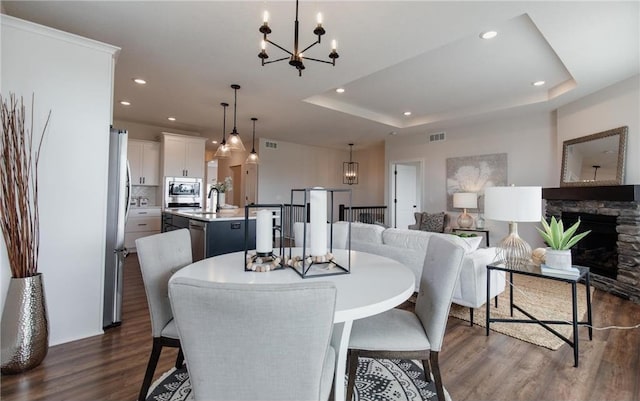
(271, 145)
(438, 136)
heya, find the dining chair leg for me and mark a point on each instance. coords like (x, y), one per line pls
(151, 368)
(180, 358)
(353, 367)
(332, 392)
(433, 358)
(471, 317)
(427, 370)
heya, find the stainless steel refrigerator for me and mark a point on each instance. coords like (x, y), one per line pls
(118, 196)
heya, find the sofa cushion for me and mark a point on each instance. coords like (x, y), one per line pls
(371, 233)
(469, 244)
(434, 222)
(403, 238)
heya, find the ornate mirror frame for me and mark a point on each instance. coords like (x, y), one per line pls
(621, 132)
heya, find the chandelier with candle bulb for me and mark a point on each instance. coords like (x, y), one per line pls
(295, 57)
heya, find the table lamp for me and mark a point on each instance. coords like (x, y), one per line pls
(513, 204)
(465, 200)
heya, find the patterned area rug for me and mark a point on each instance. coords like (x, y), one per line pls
(376, 380)
(544, 299)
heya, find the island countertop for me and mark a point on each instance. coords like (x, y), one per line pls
(209, 216)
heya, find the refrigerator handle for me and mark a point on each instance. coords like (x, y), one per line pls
(126, 210)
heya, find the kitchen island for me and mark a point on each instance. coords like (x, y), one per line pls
(212, 233)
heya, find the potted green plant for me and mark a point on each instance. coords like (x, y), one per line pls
(558, 254)
(24, 328)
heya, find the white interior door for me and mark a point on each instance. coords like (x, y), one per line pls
(406, 193)
(251, 184)
(238, 187)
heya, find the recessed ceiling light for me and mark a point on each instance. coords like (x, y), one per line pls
(488, 34)
(340, 90)
(214, 142)
(125, 103)
(407, 113)
(139, 81)
(171, 118)
(538, 83)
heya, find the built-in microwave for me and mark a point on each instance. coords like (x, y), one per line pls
(182, 192)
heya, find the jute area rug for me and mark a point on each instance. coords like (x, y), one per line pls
(544, 299)
(376, 380)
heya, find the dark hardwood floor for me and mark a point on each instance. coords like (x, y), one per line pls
(474, 367)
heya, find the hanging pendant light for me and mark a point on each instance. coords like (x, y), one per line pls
(253, 156)
(223, 151)
(350, 169)
(235, 143)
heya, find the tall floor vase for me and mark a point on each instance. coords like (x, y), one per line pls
(25, 326)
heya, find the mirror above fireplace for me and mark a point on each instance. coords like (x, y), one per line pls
(594, 160)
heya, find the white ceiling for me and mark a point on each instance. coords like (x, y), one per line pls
(418, 56)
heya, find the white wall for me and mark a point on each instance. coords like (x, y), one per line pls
(300, 166)
(72, 77)
(370, 188)
(528, 139)
(292, 166)
(615, 106)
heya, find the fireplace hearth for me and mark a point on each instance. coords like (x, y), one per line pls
(612, 249)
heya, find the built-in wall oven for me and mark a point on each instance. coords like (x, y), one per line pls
(182, 192)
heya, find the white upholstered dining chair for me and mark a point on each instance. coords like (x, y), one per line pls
(406, 335)
(160, 256)
(256, 341)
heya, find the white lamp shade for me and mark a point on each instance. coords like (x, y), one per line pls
(465, 200)
(513, 204)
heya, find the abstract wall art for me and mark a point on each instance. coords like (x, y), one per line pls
(473, 174)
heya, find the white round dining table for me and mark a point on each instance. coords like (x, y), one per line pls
(375, 284)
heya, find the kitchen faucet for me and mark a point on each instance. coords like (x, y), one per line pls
(217, 197)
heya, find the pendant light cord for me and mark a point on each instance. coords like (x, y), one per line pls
(235, 105)
(253, 138)
(224, 122)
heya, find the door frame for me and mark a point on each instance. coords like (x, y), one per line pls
(391, 198)
(237, 174)
(251, 183)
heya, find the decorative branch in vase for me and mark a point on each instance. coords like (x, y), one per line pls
(25, 331)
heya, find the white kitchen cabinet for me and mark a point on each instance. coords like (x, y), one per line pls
(182, 156)
(141, 222)
(144, 160)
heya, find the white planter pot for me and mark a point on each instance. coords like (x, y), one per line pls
(222, 198)
(558, 259)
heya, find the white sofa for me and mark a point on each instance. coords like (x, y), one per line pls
(409, 247)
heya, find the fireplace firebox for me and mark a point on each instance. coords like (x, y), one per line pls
(612, 249)
(598, 250)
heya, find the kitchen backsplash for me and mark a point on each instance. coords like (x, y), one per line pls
(139, 191)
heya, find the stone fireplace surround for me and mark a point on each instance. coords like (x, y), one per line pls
(622, 201)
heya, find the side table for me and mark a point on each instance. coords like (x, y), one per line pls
(535, 271)
(474, 230)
